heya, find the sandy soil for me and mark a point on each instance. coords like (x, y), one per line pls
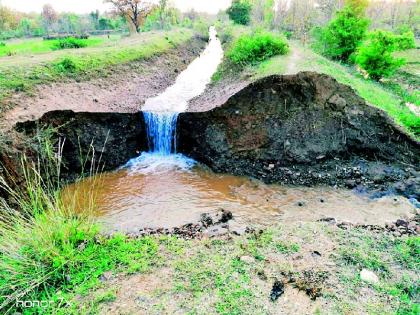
(124, 90)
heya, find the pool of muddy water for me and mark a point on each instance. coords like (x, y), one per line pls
(171, 194)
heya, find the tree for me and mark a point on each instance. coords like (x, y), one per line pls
(375, 56)
(49, 16)
(341, 37)
(239, 12)
(135, 11)
(162, 12)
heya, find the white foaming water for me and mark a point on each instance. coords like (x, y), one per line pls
(191, 82)
(161, 113)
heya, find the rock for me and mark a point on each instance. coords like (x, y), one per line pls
(369, 276)
(316, 254)
(277, 290)
(401, 223)
(301, 203)
(106, 276)
(206, 219)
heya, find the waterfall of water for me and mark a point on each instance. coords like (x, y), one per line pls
(161, 112)
(161, 132)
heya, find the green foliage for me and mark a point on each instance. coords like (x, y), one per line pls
(341, 37)
(254, 48)
(406, 41)
(70, 42)
(66, 65)
(2, 44)
(375, 56)
(408, 252)
(240, 11)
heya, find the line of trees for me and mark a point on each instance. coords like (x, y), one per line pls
(18, 24)
(300, 16)
(128, 15)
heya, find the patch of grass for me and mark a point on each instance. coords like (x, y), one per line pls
(37, 46)
(407, 252)
(284, 248)
(250, 49)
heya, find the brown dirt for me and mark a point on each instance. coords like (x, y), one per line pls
(124, 90)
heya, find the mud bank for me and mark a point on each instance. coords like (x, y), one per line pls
(123, 89)
(303, 129)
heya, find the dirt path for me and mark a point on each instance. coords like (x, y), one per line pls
(292, 62)
(124, 89)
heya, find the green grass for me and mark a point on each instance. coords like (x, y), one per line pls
(87, 62)
(37, 46)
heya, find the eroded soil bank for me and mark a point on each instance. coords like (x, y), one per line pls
(303, 129)
(122, 89)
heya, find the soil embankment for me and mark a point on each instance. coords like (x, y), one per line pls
(124, 89)
(304, 129)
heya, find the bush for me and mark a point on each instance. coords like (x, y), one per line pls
(70, 42)
(2, 44)
(239, 12)
(341, 37)
(375, 55)
(406, 41)
(254, 48)
(66, 65)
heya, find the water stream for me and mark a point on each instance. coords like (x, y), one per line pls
(162, 188)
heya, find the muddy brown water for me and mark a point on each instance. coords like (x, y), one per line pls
(127, 200)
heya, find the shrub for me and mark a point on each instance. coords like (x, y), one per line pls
(406, 41)
(2, 44)
(66, 65)
(341, 37)
(254, 48)
(375, 55)
(70, 42)
(239, 12)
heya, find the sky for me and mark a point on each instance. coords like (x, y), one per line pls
(86, 6)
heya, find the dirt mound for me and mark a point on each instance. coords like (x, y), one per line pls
(302, 129)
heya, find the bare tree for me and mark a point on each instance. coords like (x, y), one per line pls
(49, 16)
(135, 11)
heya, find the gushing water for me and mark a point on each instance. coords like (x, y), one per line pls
(161, 132)
(161, 113)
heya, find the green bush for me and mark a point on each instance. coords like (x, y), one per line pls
(341, 37)
(2, 44)
(254, 48)
(406, 41)
(375, 55)
(66, 65)
(69, 43)
(240, 11)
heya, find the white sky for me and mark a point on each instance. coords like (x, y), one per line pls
(86, 6)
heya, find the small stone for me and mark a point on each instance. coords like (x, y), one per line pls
(277, 290)
(401, 222)
(271, 166)
(106, 276)
(369, 276)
